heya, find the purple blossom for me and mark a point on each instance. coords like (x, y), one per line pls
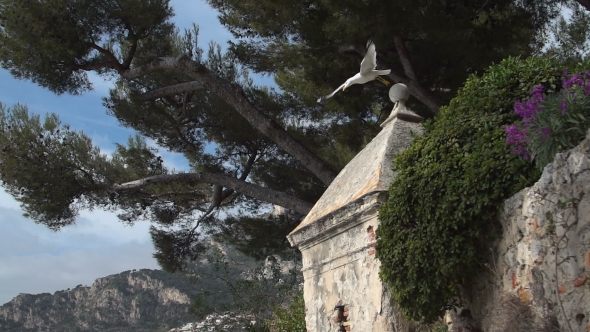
(545, 133)
(578, 80)
(563, 107)
(528, 108)
(538, 92)
(517, 137)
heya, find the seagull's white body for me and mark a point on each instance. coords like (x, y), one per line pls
(366, 74)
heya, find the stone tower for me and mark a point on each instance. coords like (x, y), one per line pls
(342, 289)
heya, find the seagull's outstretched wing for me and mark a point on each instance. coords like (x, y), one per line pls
(324, 98)
(370, 60)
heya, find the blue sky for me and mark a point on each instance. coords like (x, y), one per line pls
(34, 259)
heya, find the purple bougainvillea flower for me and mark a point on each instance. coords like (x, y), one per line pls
(515, 135)
(528, 108)
(538, 92)
(545, 133)
(563, 107)
(517, 138)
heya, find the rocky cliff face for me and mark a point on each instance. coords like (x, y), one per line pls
(537, 277)
(143, 300)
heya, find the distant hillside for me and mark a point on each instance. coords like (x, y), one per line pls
(143, 300)
(133, 301)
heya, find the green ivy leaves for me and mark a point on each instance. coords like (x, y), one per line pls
(450, 185)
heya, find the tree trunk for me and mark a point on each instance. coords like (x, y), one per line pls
(234, 95)
(264, 194)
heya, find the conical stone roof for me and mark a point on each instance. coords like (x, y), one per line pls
(368, 172)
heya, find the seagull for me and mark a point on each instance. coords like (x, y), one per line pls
(366, 74)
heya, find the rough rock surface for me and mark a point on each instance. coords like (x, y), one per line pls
(544, 253)
(143, 300)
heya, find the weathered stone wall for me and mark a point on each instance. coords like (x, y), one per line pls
(342, 287)
(543, 255)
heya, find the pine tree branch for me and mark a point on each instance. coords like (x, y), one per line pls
(249, 189)
(113, 59)
(247, 169)
(172, 90)
(90, 65)
(234, 95)
(130, 55)
(404, 57)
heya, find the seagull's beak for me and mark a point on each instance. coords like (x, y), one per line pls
(344, 88)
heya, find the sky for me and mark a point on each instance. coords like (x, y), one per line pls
(34, 259)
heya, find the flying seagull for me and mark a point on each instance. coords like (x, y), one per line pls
(366, 74)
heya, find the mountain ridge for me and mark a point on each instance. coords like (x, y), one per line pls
(133, 300)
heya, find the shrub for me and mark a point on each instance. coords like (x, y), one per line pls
(286, 320)
(511, 314)
(551, 123)
(449, 186)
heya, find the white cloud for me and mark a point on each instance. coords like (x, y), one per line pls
(41, 272)
(34, 259)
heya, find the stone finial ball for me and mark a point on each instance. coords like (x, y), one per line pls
(399, 92)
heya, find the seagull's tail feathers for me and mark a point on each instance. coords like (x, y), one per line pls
(369, 42)
(324, 98)
(383, 72)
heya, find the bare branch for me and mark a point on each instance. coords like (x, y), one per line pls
(247, 169)
(172, 90)
(114, 62)
(404, 57)
(249, 189)
(131, 54)
(234, 95)
(90, 65)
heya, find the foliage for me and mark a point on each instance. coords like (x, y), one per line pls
(552, 123)
(71, 35)
(255, 289)
(258, 237)
(46, 166)
(443, 203)
(291, 319)
(56, 43)
(511, 314)
(308, 44)
(570, 38)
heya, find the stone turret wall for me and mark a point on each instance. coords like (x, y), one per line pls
(342, 289)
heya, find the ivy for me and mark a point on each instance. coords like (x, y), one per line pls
(450, 184)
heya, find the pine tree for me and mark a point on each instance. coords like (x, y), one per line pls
(431, 46)
(247, 146)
